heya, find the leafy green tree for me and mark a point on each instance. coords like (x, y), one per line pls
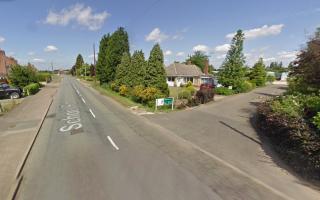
(199, 59)
(101, 66)
(137, 71)
(232, 72)
(258, 74)
(306, 70)
(122, 72)
(155, 73)
(277, 67)
(22, 76)
(79, 63)
(85, 70)
(118, 44)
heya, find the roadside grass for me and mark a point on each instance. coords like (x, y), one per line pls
(126, 101)
(7, 105)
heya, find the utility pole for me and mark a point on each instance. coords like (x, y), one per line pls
(51, 66)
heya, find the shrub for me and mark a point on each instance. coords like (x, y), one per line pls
(114, 87)
(191, 89)
(244, 86)
(22, 76)
(189, 84)
(311, 105)
(31, 89)
(123, 90)
(137, 93)
(223, 91)
(271, 78)
(88, 78)
(316, 120)
(44, 77)
(204, 96)
(288, 106)
(184, 94)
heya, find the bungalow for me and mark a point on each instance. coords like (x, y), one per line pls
(179, 74)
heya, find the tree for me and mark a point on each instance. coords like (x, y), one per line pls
(22, 76)
(199, 59)
(306, 69)
(118, 44)
(232, 72)
(79, 63)
(277, 67)
(258, 74)
(101, 66)
(122, 72)
(137, 69)
(155, 73)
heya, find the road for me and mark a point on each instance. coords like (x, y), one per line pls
(90, 147)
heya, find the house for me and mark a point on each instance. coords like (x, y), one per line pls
(5, 63)
(179, 74)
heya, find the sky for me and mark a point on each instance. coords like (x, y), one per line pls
(45, 32)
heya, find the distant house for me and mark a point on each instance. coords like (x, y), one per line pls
(179, 74)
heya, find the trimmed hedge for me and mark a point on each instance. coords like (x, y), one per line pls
(223, 91)
(44, 77)
(31, 89)
(296, 140)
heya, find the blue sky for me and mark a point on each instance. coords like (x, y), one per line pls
(42, 32)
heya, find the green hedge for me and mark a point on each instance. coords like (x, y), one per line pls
(223, 91)
(31, 89)
(44, 77)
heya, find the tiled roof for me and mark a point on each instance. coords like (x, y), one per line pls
(179, 69)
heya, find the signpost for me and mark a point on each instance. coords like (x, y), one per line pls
(165, 102)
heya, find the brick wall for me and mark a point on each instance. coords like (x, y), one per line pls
(5, 63)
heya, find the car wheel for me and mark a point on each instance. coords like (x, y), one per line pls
(14, 95)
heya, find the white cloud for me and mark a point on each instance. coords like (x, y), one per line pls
(11, 53)
(269, 59)
(180, 54)
(79, 14)
(201, 47)
(38, 60)
(168, 53)
(156, 36)
(260, 32)
(2, 39)
(222, 48)
(288, 54)
(31, 53)
(50, 48)
(220, 57)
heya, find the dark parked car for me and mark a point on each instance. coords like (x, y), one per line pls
(7, 91)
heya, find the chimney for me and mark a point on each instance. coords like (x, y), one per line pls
(206, 67)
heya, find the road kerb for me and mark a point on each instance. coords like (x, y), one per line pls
(18, 178)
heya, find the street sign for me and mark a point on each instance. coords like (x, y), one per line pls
(165, 102)
(168, 101)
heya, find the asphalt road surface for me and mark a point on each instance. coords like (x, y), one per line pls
(91, 148)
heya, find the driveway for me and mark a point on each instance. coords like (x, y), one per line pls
(225, 129)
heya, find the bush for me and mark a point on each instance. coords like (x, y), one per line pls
(31, 89)
(223, 91)
(204, 96)
(191, 89)
(245, 86)
(311, 105)
(114, 87)
(184, 94)
(137, 93)
(288, 106)
(44, 77)
(271, 78)
(88, 78)
(22, 76)
(146, 95)
(316, 120)
(123, 90)
(189, 84)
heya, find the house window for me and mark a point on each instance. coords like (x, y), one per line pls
(187, 79)
(170, 78)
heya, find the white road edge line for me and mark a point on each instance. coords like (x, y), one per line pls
(83, 100)
(113, 144)
(94, 116)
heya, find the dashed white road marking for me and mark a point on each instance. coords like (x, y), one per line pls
(113, 144)
(83, 100)
(94, 116)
